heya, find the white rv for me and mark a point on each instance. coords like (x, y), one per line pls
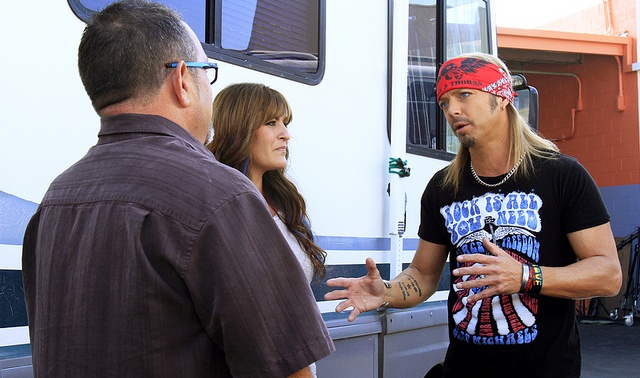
(366, 138)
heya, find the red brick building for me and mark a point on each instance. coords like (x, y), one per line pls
(584, 67)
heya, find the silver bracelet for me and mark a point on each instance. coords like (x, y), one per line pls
(385, 304)
(525, 278)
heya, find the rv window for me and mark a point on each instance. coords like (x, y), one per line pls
(421, 101)
(280, 37)
(465, 29)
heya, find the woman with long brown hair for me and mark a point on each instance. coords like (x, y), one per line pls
(250, 134)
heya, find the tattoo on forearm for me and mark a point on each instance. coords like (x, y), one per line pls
(407, 287)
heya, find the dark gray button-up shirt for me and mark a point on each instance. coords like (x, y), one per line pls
(148, 258)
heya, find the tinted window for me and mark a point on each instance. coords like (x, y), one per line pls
(279, 37)
(466, 30)
(422, 129)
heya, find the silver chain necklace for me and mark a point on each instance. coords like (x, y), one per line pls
(511, 172)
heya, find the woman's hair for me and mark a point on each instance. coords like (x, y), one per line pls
(523, 140)
(238, 111)
(124, 49)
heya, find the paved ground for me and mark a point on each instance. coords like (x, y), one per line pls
(610, 349)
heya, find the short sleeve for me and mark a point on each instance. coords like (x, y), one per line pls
(431, 223)
(251, 294)
(582, 202)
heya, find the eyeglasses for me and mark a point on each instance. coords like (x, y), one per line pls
(210, 68)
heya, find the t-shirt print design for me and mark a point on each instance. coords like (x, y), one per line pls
(509, 221)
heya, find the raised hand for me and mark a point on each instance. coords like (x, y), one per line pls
(363, 294)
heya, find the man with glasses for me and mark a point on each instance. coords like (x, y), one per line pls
(147, 257)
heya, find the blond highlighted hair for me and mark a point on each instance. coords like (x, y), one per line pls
(524, 141)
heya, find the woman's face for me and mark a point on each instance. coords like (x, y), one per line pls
(269, 148)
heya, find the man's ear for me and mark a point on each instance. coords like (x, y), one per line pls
(503, 103)
(182, 85)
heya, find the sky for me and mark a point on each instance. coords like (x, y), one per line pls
(527, 14)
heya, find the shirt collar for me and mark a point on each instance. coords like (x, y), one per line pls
(121, 126)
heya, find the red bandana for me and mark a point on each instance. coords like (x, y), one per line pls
(474, 73)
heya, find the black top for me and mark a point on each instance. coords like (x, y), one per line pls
(515, 335)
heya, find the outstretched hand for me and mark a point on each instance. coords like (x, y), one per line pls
(498, 272)
(363, 294)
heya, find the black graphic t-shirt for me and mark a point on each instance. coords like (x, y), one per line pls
(516, 335)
